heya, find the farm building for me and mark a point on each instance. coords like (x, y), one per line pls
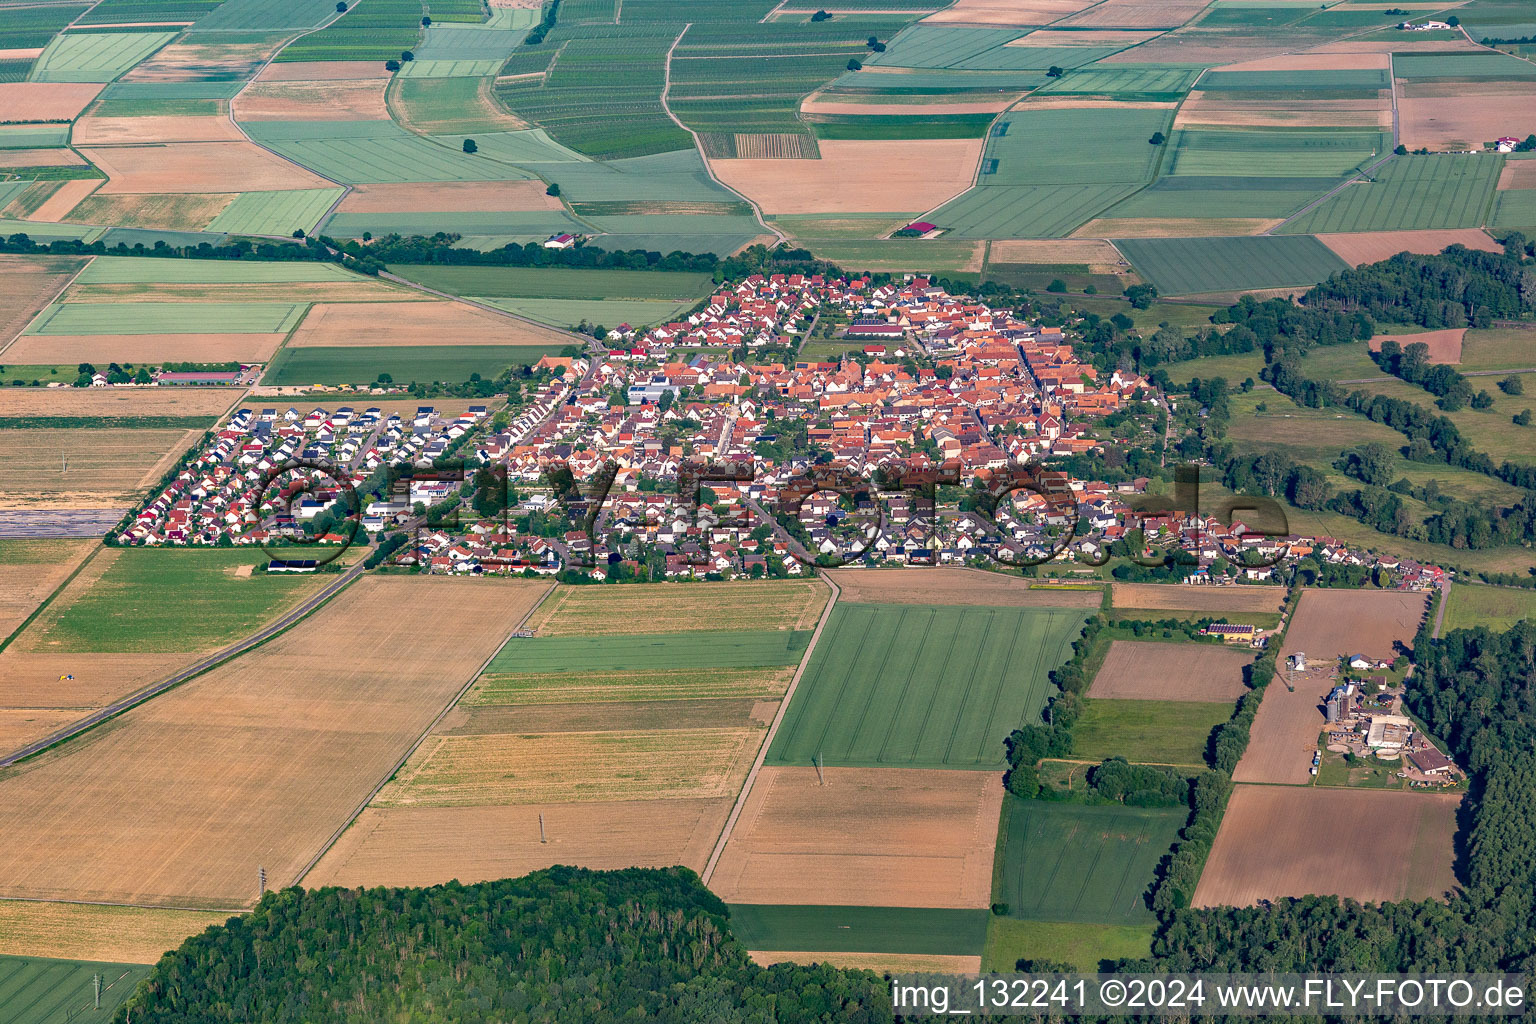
(560, 241)
(1231, 631)
(874, 329)
(1430, 761)
(1389, 732)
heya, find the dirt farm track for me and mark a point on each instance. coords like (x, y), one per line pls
(255, 764)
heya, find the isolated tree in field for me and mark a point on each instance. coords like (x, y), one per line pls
(553, 190)
(1523, 418)
(391, 65)
(1158, 138)
(385, 378)
(426, 20)
(341, 7)
(821, 16)
(1057, 285)
(1401, 150)
(298, 232)
(1482, 400)
(469, 146)
(1054, 72)
(1512, 385)
(407, 55)
(1453, 21)
(854, 65)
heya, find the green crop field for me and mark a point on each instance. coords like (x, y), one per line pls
(938, 255)
(938, 81)
(44, 136)
(38, 991)
(146, 12)
(923, 685)
(358, 152)
(42, 231)
(1361, 81)
(1084, 946)
(168, 318)
(859, 929)
(1147, 731)
(376, 30)
(940, 46)
(1461, 65)
(1515, 208)
(168, 600)
(493, 40)
(265, 15)
(559, 283)
(1497, 608)
(448, 104)
(1026, 211)
(1315, 154)
(275, 213)
(362, 364)
(134, 270)
(535, 225)
(448, 69)
(1136, 83)
(1190, 195)
(95, 56)
(1441, 190)
(28, 27)
(1235, 368)
(1072, 862)
(1496, 349)
(607, 312)
(1182, 266)
(651, 651)
(1119, 151)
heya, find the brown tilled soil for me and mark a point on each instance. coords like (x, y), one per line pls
(1468, 119)
(416, 323)
(45, 101)
(1136, 14)
(1373, 246)
(255, 764)
(322, 71)
(62, 349)
(1147, 670)
(128, 131)
(867, 837)
(1173, 227)
(449, 197)
(953, 586)
(1285, 732)
(431, 845)
(1223, 109)
(1369, 845)
(1005, 12)
(27, 284)
(354, 100)
(1095, 253)
(846, 104)
(116, 935)
(35, 679)
(1200, 599)
(1518, 174)
(859, 176)
(1444, 346)
(1315, 61)
(66, 198)
(1333, 623)
(114, 401)
(1396, 46)
(40, 158)
(200, 167)
(193, 61)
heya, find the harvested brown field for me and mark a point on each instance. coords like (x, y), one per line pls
(20, 726)
(65, 198)
(1149, 670)
(416, 323)
(40, 158)
(449, 197)
(1099, 256)
(169, 212)
(322, 71)
(30, 570)
(880, 963)
(27, 284)
(45, 101)
(86, 468)
(587, 689)
(1436, 119)
(846, 103)
(1222, 109)
(1373, 246)
(37, 679)
(62, 349)
(1174, 227)
(129, 131)
(1178, 597)
(868, 837)
(1136, 14)
(1005, 12)
(954, 586)
(1084, 37)
(1518, 174)
(188, 61)
(859, 176)
(200, 167)
(505, 768)
(1285, 731)
(21, 52)
(117, 935)
(1200, 48)
(678, 608)
(431, 845)
(115, 401)
(1396, 46)
(475, 719)
(1370, 845)
(227, 765)
(1315, 60)
(352, 100)
(1444, 346)
(1333, 623)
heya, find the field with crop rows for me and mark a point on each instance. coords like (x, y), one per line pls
(362, 364)
(30, 27)
(1410, 192)
(923, 685)
(39, 991)
(95, 56)
(167, 318)
(376, 30)
(859, 929)
(1190, 265)
(354, 152)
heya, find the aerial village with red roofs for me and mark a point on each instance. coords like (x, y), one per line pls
(925, 380)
